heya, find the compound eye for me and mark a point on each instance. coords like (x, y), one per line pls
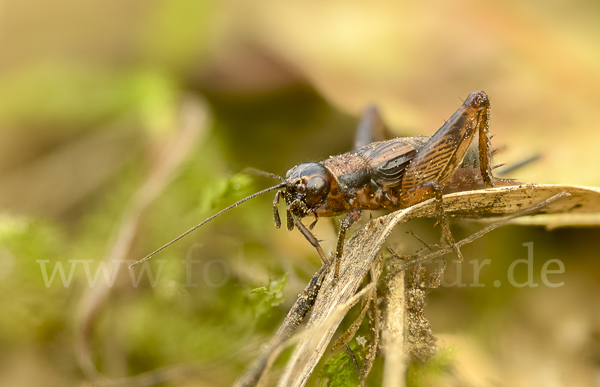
(317, 189)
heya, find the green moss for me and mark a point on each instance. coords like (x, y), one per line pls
(339, 371)
(268, 297)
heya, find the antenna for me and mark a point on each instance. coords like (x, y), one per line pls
(147, 257)
(259, 172)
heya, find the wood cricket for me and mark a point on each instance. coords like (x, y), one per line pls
(392, 175)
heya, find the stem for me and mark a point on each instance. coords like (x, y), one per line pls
(394, 366)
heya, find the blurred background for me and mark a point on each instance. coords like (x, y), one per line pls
(124, 123)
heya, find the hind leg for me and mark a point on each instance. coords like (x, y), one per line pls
(431, 190)
(436, 164)
(370, 129)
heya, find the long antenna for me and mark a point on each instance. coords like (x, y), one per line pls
(147, 257)
(259, 172)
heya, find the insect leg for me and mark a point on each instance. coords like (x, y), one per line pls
(445, 150)
(485, 146)
(276, 217)
(350, 219)
(425, 191)
(312, 239)
(435, 165)
(313, 224)
(443, 219)
(371, 128)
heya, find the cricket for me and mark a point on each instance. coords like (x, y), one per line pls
(384, 174)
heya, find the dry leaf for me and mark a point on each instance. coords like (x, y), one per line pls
(362, 249)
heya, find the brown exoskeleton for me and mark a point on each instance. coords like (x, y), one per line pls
(392, 174)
